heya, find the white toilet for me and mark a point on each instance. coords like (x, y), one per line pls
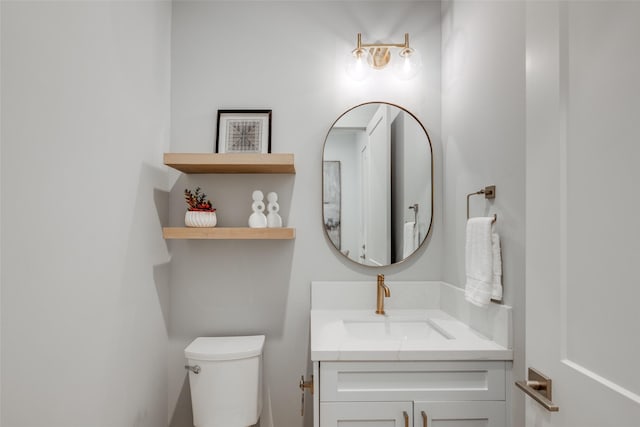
(225, 374)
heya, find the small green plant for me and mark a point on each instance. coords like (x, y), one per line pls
(197, 201)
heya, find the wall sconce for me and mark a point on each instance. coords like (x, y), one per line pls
(368, 56)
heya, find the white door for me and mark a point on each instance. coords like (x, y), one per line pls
(378, 190)
(583, 211)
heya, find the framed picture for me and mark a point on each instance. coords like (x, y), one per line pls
(332, 198)
(243, 131)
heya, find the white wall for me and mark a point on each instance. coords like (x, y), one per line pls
(287, 56)
(483, 138)
(85, 116)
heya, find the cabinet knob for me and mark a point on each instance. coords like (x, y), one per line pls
(425, 420)
(406, 418)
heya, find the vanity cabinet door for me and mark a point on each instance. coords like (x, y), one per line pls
(366, 414)
(460, 414)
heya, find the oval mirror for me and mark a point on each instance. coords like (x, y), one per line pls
(377, 179)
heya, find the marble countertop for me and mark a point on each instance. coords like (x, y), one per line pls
(400, 334)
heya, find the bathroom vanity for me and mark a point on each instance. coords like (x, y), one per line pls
(432, 358)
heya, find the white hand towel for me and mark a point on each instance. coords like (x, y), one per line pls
(484, 268)
(496, 292)
(409, 238)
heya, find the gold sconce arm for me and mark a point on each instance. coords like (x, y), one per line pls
(404, 45)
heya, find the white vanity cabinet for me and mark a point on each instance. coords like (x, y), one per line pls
(397, 393)
(432, 353)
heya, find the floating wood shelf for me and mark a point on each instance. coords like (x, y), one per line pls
(229, 233)
(231, 163)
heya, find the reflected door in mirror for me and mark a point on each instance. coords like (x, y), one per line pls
(384, 160)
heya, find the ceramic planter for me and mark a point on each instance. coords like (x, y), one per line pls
(200, 219)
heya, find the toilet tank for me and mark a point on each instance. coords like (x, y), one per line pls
(227, 390)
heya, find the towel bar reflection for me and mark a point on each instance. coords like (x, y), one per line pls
(415, 207)
(489, 193)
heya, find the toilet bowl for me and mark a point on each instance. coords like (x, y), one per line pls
(225, 375)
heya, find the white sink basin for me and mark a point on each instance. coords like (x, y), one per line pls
(393, 329)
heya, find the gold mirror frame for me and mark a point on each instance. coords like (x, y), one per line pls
(427, 187)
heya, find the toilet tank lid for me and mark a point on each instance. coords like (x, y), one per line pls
(224, 348)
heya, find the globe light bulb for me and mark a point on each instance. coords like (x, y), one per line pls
(357, 64)
(407, 64)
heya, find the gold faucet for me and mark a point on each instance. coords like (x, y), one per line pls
(383, 291)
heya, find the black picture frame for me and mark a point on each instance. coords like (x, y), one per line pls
(243, 131)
